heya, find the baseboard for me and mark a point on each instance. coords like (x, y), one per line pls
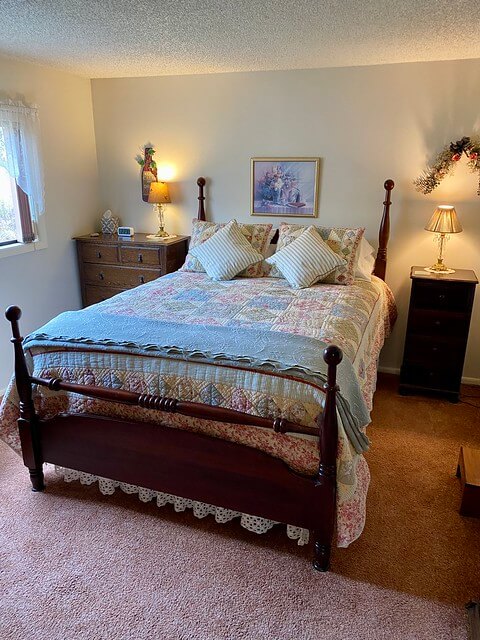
(393, 370)
(396, 371)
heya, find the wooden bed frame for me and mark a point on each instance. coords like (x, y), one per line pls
(184, 463)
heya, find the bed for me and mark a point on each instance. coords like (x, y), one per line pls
(220, 396)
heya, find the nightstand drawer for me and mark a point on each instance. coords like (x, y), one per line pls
(93, 294)
(99, 254)
(111, 276)
(428, 295)
(437, 323)
(433, 351)
(442, 378)
(140, 255)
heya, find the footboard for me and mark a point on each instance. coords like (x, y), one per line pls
(185, 463)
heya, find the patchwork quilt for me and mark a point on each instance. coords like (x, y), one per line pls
(357, 318)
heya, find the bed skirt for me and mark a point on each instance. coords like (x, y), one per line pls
(200, 509)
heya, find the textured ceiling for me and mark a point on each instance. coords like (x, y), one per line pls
(114, 38)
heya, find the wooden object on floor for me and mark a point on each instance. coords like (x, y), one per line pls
(108, 264)
(437, 332)
(468, 471)
(473, 615)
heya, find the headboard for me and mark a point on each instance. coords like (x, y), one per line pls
(383, 232)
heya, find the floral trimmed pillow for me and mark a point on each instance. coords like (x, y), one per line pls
(306, 260)
(343, 241)
(259, 236)
(227, 253)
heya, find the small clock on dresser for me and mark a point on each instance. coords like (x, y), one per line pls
(109, 264)
(437, 332)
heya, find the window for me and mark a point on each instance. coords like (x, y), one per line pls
(21, 182)
(8, 209)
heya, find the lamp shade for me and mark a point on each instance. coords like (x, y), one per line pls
(158, 193)
(444, 220)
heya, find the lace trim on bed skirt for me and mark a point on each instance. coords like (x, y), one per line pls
(200, 509)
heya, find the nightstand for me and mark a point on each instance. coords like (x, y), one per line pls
(437, 332)
(108, 264)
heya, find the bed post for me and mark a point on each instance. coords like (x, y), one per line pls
(201, 199)
(384, 233)
(327, 469)
(28, 421)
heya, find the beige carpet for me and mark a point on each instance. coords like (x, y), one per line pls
(77, 565)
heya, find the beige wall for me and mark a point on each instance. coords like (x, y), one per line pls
(44, 283)
(367, 124)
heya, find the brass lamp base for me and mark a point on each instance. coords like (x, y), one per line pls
(439, 268)
(161, 233)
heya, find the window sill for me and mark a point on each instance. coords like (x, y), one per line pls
(19, 247)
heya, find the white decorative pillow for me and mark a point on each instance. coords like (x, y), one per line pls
(365, 263)
(306, 260)
(226, 253)
(259, 236)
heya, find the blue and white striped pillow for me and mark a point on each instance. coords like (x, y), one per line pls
(306, 260)
(226, 253)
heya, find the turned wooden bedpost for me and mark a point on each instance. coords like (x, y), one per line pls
(28, 422)
(201, 199)
(384, 233)
(327, 469)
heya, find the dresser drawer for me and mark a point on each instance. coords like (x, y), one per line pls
(438, 323)
(433, 295)
(140, 255)
(111, 276)
(99, 254)
(94, 294)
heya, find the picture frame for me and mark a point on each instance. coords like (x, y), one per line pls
(284, 187)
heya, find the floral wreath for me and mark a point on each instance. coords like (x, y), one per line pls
(445, 162)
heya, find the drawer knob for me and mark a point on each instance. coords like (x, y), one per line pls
(442, 297)
(142, 279)
(140, 257)
(99, 255)
(437, 323)
(434, 349)
(101, 276)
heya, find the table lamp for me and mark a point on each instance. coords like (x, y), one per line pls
(444, 221)
(159, 196)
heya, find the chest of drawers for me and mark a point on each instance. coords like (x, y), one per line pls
(109, 265)
(437, 331)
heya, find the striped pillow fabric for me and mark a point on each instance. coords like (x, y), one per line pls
(226, 253)
(258, 235)
(306, 260)
(343, 241)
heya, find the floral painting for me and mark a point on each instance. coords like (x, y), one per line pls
(285, 187)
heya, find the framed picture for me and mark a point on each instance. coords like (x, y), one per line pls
(285, 187)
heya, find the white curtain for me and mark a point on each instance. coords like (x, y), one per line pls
(20, 151)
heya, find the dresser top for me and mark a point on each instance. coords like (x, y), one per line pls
(460, 275)
(138, 238)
